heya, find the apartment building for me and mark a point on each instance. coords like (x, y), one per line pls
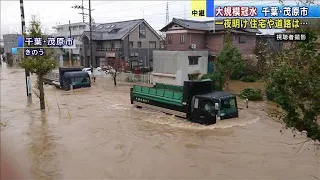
(76, 30)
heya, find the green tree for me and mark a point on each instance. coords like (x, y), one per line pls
(229, 60)
(216, 78)
(39, 65)
(295, 84)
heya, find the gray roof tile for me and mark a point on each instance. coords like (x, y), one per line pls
(102, 31)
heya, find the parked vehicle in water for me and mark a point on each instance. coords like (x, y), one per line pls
(88, 70)
(195, 101)
(68, 78)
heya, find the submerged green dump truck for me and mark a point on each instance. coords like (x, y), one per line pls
(195, 101)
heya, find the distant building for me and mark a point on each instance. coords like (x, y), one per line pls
(77, 30)
(132, 40)
(10, 41)
(194, 35)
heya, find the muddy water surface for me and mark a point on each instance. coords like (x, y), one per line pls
(95, 133)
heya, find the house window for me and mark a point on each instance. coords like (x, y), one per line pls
(99, 44)
(242, 39)
(142, 31)
(112, 44)
(152, 44)
(182, 39)
(139, 44)
(131, 44)
(193, 60)
(169, 39)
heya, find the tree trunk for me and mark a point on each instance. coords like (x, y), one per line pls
(41, 92)
(228, 74)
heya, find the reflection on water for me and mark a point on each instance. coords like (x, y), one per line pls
(95, 133)
(42, 147)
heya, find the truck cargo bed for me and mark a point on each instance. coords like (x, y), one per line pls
(160, 98)
(160, 95)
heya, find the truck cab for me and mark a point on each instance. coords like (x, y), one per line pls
(203, 110)
(224, 104)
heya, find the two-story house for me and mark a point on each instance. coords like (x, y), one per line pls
(76, 30)
(132, 40)
(206, 35)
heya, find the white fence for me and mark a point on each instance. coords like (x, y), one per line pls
(52, 75)
(135, 78)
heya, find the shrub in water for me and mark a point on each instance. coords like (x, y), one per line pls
(252, 94)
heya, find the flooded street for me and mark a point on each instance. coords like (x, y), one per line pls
(95, 133)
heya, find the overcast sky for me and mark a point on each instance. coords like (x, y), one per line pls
(52, 13)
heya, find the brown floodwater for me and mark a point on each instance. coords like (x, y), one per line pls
(95, 133)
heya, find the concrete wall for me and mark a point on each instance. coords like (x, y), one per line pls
(168, 63)
(165, 62)
(163, 78)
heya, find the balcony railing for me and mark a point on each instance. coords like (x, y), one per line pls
(109, 49)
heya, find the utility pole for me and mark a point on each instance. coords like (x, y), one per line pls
(90, 40)
(27, 73)
(70, 50)
(83, 17)
(90, 26)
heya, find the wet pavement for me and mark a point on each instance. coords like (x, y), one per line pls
(95, 133)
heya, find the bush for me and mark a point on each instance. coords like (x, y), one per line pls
(249, 79)
(270, 93)
(252, 94)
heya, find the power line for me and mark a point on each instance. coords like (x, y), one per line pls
(175, 13)
(159, 14)
(138, 8)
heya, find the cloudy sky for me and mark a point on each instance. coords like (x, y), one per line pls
(52, 13)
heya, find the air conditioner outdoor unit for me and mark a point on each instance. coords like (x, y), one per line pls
(193, 46)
